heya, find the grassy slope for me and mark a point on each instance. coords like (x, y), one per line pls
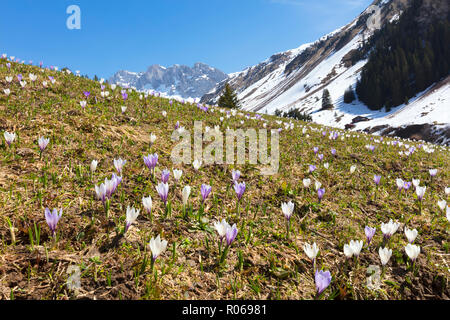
(272, 267)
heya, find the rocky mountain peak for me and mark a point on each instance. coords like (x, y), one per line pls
(177, 80)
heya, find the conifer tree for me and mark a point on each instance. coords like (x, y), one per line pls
(229, 98)
(326, 100)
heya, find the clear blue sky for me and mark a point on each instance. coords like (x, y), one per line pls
(133, 34)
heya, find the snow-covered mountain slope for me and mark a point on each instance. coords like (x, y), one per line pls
(177, 80)
(295, 79)
(286, 78)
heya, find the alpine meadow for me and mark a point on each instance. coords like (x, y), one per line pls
(321, 173)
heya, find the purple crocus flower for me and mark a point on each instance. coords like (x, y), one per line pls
(170, 102)
(87, 93)
(333, 151)
(118, 164)
(316, 149)
(370, 232)
(205, 190)
(231, 234)
(377, 179)
(320, 156)
(235, 174)
(165, 174)
(240, 189)
(101, 192)
(407, 185)
(177, 125)
(163, 191)
(52, 219)
(312, 168)
(320, 193)
(43, 142)
(112, 184)
(124, 96)
(323, 280)
(19, 77)
(151, 161)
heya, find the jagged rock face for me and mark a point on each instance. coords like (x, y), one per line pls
(176, 80)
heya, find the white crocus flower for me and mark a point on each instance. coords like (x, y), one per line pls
(221, 228)
(287, 209)
(157, 246)
(186, 193)
(317, 185)
(326, 165)
(124, 109)
(412, 251)
(132, 215)
(420, 192)
(348, 250)
(93, 165)
(83, 103)
(352, 168)
(442, 204)
(152, 138)
(177, 174)
(7, 91)
(147, 203)
(9, 79)
(385, 255)
(447, 190)
(311, 250)
(400, 183)
(389, 228)
(306, 182)
(197, 164)
(416, 182)
(356, 246)
(9, 137)
(411, 234)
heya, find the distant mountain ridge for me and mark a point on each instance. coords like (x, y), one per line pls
(177, 80)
